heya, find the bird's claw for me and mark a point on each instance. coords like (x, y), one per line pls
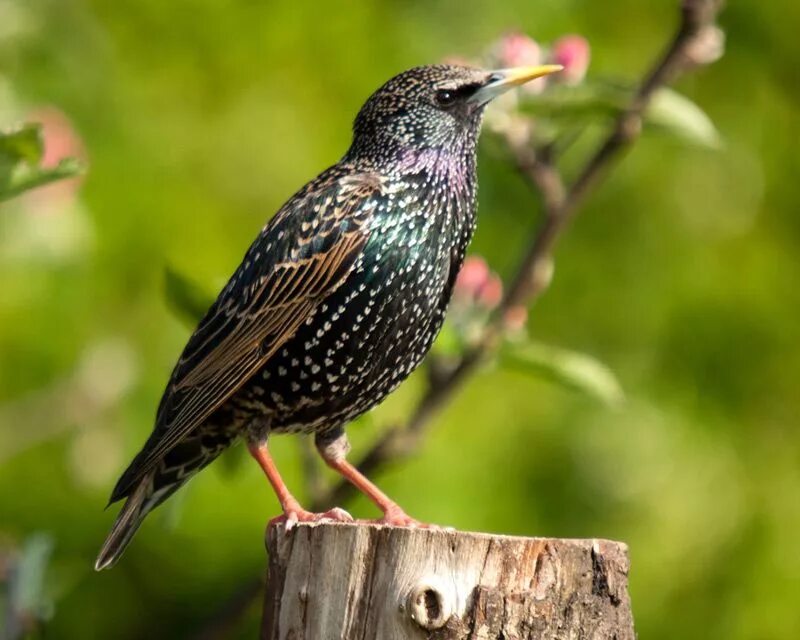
(399, 518)
(337, 515)
(293, 516)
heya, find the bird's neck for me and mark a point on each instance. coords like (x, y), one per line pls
(454, 163)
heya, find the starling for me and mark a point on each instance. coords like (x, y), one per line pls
(335, 303)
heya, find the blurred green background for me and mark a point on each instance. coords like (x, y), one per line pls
(198, 119)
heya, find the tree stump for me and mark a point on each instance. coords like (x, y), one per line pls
(366, 581)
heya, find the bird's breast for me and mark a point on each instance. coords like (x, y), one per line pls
(377, 326)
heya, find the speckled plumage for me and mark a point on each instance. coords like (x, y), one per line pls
(339, 298)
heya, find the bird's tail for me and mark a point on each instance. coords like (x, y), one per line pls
(139, 503)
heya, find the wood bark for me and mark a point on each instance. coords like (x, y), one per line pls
(365, 581)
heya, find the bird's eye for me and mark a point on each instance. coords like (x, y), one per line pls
(445, 97)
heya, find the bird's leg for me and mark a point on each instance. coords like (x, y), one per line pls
(333, 448)
(292, 511)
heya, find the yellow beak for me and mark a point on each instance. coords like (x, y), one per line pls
(500, 81)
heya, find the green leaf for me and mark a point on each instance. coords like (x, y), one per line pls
(674, 113)
(24, 179)
(588, 100)
(24, 144)
(573, 370)
(21, 152)
(669, 111)
(188, 299)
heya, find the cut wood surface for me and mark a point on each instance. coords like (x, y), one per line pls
(366, 581)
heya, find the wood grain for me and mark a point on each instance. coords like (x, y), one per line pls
(366, 581)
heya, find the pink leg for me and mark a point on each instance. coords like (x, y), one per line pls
(292, 511)
(333, 453)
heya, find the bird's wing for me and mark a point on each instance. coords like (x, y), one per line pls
(300, 257)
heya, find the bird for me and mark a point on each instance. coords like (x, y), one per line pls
(334, 304)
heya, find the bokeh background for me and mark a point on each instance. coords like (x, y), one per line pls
(198, 119)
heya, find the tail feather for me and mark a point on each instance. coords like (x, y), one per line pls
(145, 491)
(136, 507)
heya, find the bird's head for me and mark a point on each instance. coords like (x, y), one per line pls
(436, 106)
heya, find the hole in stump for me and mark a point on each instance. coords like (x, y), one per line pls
(433, 604)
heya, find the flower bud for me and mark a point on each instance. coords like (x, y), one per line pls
(519, 50)
(471, 278)
(573, 53)
(515, 319)
(707, 46)
(491, 293)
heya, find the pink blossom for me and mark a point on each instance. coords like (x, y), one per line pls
(477, 285)
(573, 53)
(471, 278)
(516, 49)
(491, 293)
(515, 318)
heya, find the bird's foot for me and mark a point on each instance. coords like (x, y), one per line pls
(296, 514)
(396, 517)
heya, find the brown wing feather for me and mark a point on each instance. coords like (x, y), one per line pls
(246, 325)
